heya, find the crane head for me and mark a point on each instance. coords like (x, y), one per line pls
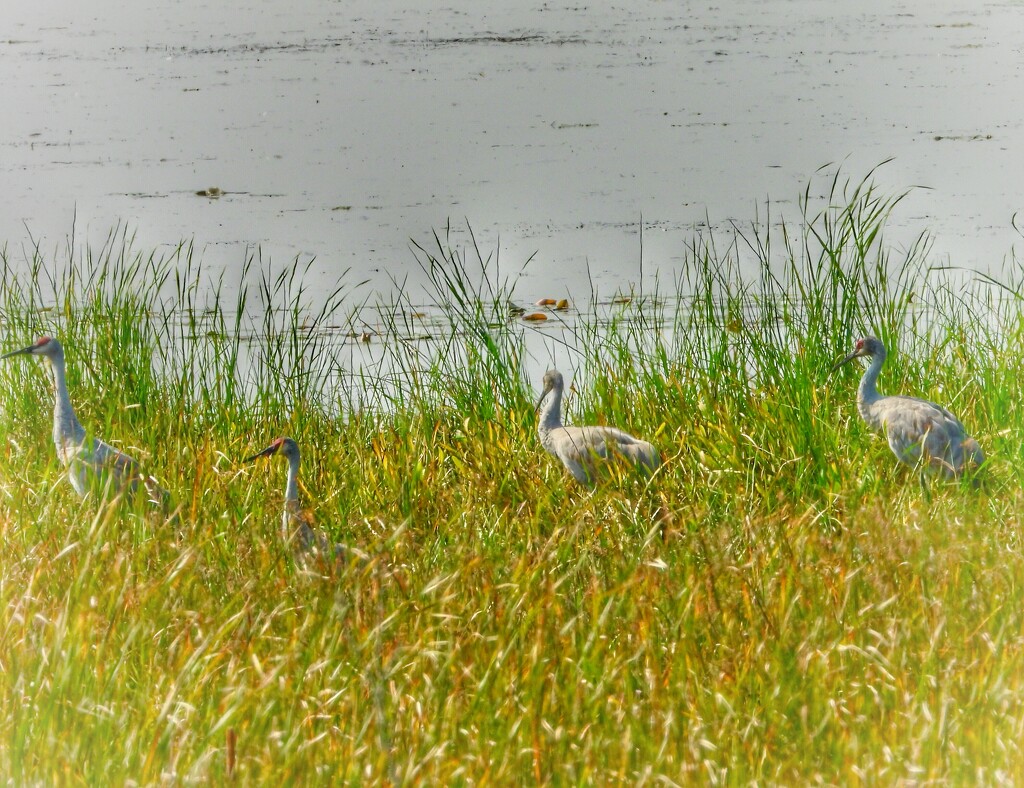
(865, 346)
(552, 380)
(44, 346)
(285, 446)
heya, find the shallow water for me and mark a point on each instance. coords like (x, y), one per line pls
(342, 130)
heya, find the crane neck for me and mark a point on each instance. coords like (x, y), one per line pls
(867, 391)
(291, 490)
(293, 516)
(551, 411)
(66, 426)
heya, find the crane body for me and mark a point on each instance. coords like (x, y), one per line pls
(91, 463)
(920, 433)
(582, 449)
(296, 526)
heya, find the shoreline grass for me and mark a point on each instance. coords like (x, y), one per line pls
(808, 617)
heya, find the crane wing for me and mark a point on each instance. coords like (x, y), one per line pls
(579, 449)
(919, 431)
(105, 460)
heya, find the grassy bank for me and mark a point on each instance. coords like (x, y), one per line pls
(806, 616)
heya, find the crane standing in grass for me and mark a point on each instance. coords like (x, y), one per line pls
(920, 433)
(580, 448)
(91, 464)
(296, 525)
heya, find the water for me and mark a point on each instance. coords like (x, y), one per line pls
(342, 130)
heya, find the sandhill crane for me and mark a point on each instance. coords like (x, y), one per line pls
(90, 464)
(580, 448)
(296, 525)
(920, 433)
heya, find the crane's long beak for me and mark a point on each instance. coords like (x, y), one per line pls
(271, 449)
(845, 360)
(543, 394)
(24, 351)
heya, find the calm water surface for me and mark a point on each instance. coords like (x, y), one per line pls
(341, 130)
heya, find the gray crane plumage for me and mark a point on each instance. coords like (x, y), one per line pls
(920, 433)
(581, 448)
(296, 525)
(90, 464)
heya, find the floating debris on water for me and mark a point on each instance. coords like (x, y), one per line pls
(562, 305)
(546, 302)
(213, 192)
(535, 316)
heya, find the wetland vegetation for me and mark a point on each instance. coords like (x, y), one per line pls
(803, 615)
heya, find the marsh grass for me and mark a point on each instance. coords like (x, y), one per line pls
(805, 616)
